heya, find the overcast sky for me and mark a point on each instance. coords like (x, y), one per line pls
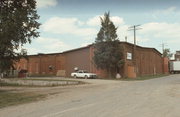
(68, 24)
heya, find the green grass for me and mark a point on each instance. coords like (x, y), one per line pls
(9, 98)
(138, 78)
(144, 77)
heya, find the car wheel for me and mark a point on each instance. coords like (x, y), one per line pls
(75, 76)
(85, 76)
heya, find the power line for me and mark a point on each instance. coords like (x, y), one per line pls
(134, 28)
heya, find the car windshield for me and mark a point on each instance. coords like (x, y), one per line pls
(82, 71)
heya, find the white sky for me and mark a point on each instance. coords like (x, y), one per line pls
(68, 24)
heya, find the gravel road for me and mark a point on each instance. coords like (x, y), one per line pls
(107, 98)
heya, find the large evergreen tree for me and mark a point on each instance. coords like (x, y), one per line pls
(107, 54)
(18, 25)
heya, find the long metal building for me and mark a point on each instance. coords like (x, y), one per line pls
(138, 61)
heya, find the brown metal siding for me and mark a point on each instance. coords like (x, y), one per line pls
(79, 58)
(33, 65)
(148, 62)
(60, 62)
(126, 48)
(166, 65)
(22, 64)
(39, 65)
(47, 61)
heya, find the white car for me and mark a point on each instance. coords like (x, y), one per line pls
(83, 74)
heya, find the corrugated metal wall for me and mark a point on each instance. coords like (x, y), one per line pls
(148, 62)
(79, 58)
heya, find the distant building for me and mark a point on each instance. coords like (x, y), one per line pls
(177, 56)
(138, 61)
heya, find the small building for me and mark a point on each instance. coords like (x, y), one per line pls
(177, 56)
(138, 61)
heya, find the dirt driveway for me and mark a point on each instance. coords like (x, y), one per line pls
(105, 98)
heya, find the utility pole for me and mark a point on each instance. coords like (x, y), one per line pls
(163, 47)
(125, 38)
(134, 28)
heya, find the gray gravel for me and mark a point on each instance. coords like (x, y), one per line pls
(105, 98)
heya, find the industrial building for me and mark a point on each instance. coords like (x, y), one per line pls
(138, 61)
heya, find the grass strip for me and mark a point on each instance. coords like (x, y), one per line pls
(144, 77)
(9, 98)
(31, 85)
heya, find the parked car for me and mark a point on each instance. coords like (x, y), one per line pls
(83, 74)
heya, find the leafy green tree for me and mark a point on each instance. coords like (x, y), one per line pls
(107, 54)
(18, 25)
(167, 53)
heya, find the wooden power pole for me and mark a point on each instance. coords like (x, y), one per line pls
(134, 28)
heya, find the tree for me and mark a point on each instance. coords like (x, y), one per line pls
(107, 54)
(18, 25)
(167, 53)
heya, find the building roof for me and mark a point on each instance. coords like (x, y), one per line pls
(155, 50)
(76, 49)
